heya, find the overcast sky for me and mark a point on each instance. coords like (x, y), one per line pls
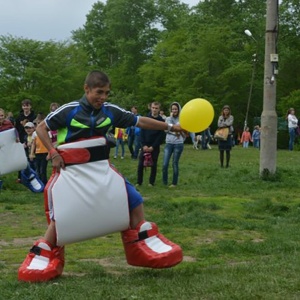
(46, 19)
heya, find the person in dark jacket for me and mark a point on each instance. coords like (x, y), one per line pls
(150, 142)
(26, 115)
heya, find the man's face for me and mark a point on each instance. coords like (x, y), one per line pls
(97, 96)
(154, 110)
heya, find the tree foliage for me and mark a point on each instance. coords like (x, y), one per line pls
(289, 59)
(160, 50)
(42, 71)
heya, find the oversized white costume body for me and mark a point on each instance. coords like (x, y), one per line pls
(78, 197)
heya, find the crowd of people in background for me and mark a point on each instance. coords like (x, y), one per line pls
(141, 141)
(25, 124)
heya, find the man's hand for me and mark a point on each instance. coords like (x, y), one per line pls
(177, 128)
(147, 149)
(58, 162)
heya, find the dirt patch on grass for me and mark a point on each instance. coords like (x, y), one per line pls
(212, 236)
(3, 243)
(258, 240)
(189, 259)
(5, 217)
(19, 241)
(111, 265)
(237, 263)
(74, 274)
(107, 262)
(25, 241)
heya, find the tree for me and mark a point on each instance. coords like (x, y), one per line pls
(94, 38)
(119, 38)
(289, 55)
(42, 71)
(208, 56)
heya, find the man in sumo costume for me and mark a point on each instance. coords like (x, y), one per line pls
(86, 197)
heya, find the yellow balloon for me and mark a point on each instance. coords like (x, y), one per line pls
(196, 115)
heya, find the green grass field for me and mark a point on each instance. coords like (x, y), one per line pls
(239, 235)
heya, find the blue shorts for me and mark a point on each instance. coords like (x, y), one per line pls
(134, 197)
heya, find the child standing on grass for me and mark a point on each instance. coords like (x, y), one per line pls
(120, 136)
(29, 128)
(40, 152)
(256, 137)
(246, 138)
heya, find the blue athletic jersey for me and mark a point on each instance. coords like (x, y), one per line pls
(78, 120)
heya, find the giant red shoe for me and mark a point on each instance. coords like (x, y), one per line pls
(42, 263)
(146, 247)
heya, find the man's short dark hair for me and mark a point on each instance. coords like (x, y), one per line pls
(26, 101)
(96, 79)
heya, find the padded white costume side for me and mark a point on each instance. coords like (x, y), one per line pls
(89, 200)
(12, 154)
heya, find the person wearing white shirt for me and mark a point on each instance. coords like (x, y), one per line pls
(292, 125)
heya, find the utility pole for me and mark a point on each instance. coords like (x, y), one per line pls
(254, 61)
(268, 151)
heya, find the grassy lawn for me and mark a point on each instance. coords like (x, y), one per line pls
(239, 235)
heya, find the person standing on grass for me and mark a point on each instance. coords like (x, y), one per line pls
(225, 121)
(246, 138)
(30, 129)
(205, 139)
(133, 140)
(120, 136)
(85, 123)
(292, 125)
(256, 137)
(26, 115)
(173, 146)
(151, 140)
(193, 139)
(39, 153)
